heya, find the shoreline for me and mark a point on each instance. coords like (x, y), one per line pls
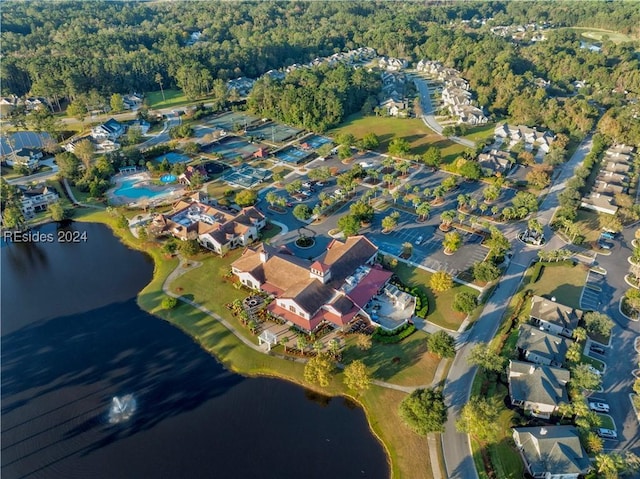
(163, 267)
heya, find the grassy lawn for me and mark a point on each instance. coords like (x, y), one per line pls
(440, 311)
(606, 421)
(269, 231)
(216, 189)
(406, 363)
(85, 197)
(419, 136)
(9, 173)
(564, 282)
(598, 34)
(281, 169)
(173, 98)
(589, 225)
(596, 363)
(481, 132)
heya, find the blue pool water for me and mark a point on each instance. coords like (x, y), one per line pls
(168, 178)
(172, 157)
(129, 189)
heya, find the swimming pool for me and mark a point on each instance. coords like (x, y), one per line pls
(133, 188)
(168, 178)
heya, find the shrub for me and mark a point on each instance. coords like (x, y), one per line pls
(388, 337)
(169, 302)
(465, 302)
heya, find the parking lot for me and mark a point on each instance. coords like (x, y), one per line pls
(426, 241)
(591, 297)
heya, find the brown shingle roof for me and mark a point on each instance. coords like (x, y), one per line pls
(310, 295)
(344, 258)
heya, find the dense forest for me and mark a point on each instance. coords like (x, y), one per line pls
(316, 99)
(120, 46)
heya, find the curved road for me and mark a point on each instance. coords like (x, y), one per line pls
(428, 117)
(456, 448)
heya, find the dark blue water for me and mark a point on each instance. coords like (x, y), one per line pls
(73, 337)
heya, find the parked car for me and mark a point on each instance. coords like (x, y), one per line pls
(366, 164)
(599, 407)
(606, 433)
(320, 183)
(608, 235)
(338, 193)
(419, 240)
(594, 370)
(308, 184)
(605, 244)
(594, 348)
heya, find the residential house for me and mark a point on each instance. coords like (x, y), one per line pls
(530, 136)
(132, 101)
(25, 157)
(456, 96)
(611, 180)
(394, 107)
(242, 85)
(554, 317)
(36, 199)
(541, 347)
(602, 203)
(469, 114)
(276, 75)
(392, 64)
(495, 162)
(333, 289)
(552, 452)
(214, 227)
(110, 130)
(33, 103)
(185, 178)
(537, 389)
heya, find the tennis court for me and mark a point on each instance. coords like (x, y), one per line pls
(22, 139)
(231, 147)
(315, 141)
(246, 176)
(292, 155)
(232, 120)
(274, 132)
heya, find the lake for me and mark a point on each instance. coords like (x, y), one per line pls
(73, 337)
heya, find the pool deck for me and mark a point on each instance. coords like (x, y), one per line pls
(165, 194)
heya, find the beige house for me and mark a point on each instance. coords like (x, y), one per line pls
(537, 389)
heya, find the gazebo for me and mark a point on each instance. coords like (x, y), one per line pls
(269, 338)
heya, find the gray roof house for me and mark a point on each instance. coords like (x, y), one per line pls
(600, 202)
(553, 316)
(495, 161)
(552, 452)
(541, 347)
(538, 389)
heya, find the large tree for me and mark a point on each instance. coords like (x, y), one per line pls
(484, 357)
(598, 324)
(441, 281)
(319, 370)
(356, 376)
(349, 225)
(424, 411)
(246, 197)
(479, 419)
(441, 344)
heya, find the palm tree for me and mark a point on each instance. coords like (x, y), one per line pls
(580, 334)
(423, 209)
(447, 218)
(271, 197)
(407, 249)
(462, 201)
(159, 82)
(334, 347)
(317, 346)
(452, 242)
(301, 343)
(565, 409)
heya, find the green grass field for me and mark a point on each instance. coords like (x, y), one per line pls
(562, 281)
(387, 128)
(598, 34)
(440, 311)
(172, 98)
(589, 225)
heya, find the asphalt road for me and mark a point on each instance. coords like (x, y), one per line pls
(428, 117)
(455, 445)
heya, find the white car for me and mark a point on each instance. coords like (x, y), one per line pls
(594, 370)
(366, 164)
(338, 193)
(419, 240)
(599, 407)
(606, 433)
